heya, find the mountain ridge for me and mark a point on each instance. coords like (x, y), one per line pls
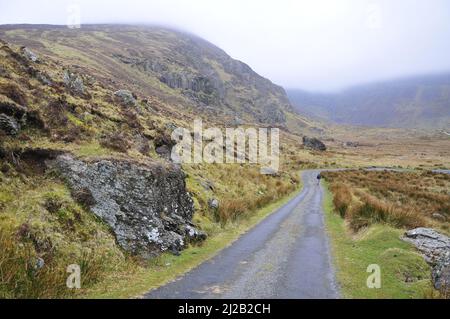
(416, 101)
(172, 64)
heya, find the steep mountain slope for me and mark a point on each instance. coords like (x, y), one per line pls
(412, 102)
(85, 175)
(177, 67)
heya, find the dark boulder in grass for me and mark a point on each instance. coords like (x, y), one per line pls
(441, 273)
(314, 144)
(146, 205)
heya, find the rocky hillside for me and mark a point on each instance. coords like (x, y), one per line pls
(85, 133)
(422, 102)
(174, 66)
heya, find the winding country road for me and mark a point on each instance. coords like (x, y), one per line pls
(285, 256)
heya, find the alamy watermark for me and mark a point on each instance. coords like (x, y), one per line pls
(374, 279)
(74, 279)
(236, 145)
(73, 16)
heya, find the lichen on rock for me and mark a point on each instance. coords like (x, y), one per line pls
(126, 97)
(74, 82)
(435, 248)
(146, 205)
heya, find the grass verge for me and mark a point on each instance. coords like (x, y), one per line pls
(404, 273)
(168, 267)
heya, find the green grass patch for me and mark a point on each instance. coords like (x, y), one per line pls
(404, 273)
(168, 267)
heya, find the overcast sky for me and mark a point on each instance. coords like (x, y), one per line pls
(310, 44)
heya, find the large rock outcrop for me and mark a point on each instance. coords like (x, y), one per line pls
(146, 205)
(208, 77)
(435, 248)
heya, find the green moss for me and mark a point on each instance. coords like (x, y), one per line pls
(91, 149)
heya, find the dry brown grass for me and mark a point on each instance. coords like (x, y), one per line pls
(342, 198)
(400, 199)
(240, 189)
(233, 207)
(116, 141)
(14, 92)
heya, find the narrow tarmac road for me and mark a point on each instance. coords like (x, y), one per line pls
(285, 256)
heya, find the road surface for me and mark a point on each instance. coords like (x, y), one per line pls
(285, 256)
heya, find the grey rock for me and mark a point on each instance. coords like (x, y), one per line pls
(9, 125)
(41, 77)
(429, 242)
(314, 144)
(441, 273)
(214, 203)
(194, 235)
(29, 55)
(126, 97)
(146, 206)
(39, 264)
(74, 82)
(435, 248)
(269, 171)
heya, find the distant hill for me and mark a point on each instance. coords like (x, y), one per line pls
(422, 102)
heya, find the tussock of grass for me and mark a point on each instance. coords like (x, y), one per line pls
(342, 198)
(399, 199)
